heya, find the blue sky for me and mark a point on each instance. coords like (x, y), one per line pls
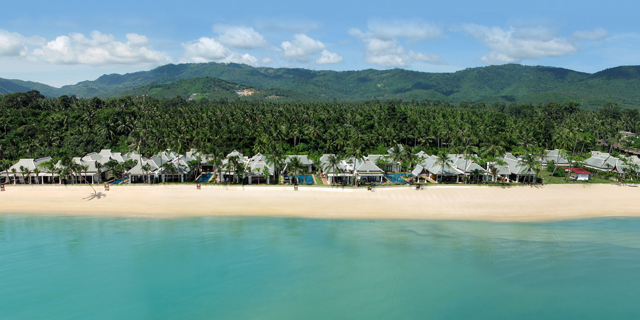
(65, 42)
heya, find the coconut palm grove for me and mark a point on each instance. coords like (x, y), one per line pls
(35, 126)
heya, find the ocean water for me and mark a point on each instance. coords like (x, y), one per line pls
(269, 268)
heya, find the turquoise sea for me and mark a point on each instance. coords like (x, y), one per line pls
(272, 268)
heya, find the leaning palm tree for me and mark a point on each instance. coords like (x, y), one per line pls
(6, 165)
(215, 160)
(85, 169)
(98, 166)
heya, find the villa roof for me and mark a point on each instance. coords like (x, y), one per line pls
(367, 166)
(304, 159)
(580, 171)
(555, 156)
(30, 164)
(447, 170)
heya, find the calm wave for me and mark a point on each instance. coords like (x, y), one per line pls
(270, 268)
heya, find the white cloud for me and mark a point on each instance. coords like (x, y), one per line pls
(385, 50)
(207, 49)
(15, 44)
(100, 49)
(12, 44)
(240, 37)
(596, 34)
(412, 30)
(515, 45)
(302, 48)
(329, 57)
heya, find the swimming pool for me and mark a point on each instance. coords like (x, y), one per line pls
(303, 179)
(396, 177)
(205, 177)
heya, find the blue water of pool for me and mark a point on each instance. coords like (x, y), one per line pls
(305, 179)
(204, 177)
(396, 177)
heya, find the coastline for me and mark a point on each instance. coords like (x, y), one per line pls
(488, 203)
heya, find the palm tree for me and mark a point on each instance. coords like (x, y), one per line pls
(332, 163)
(293, 166)
(493, 169)
(241, 170)
(467, 151)
(396, 154)
(24, 171)
(442, 159)
(356, 157)
(561, 153)
(266, 173)
(382, 163)
(13, 170)
(215, 160)
(170, 168)
(409, 156)
(275, 158)
(531, 160)
(4, 166)
(145, 169)
(233, 164)
(36, 172)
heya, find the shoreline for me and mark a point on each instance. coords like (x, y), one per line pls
(473, 203)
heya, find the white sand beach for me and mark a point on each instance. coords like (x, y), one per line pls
(516, 203)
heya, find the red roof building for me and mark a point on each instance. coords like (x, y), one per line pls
(580, 171)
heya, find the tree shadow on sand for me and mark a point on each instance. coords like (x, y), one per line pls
(98, 195)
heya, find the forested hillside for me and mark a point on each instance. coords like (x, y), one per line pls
(214, 89)
(32, 125)
(506, 83)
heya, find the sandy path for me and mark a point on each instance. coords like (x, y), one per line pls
(517, 203)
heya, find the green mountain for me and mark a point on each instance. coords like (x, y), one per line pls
(214, 88)
(10, 86)
(505, 83)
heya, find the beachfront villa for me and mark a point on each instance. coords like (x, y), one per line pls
(347, 170)
(454, 169)
(307, 163)
(430, 169)
(260, 170)
(169, 166)
(166, 166)
(27, 171)
(556, 156)
(513, 170)
(603, 161)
